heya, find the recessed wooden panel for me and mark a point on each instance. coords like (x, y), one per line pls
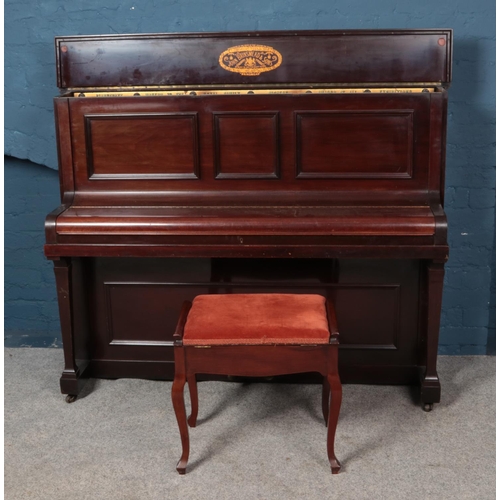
(246, 145)
(135, 303)
(145, 313)
(355, 144)
(152, 319)
(377, 324)
(142, 146)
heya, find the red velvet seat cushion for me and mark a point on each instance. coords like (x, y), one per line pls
(252, 319)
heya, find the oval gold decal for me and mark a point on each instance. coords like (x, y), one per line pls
(250, 60)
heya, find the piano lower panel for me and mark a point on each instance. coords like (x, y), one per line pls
(133, 304)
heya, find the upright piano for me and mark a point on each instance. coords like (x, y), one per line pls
(284, 161)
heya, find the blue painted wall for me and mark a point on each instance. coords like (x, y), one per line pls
(31, 315)
(32, 188)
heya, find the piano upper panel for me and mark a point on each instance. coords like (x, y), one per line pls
(252, 149)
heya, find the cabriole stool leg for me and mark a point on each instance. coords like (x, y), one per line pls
(180, 407)
(193, 395)
(325, 400)
(333, 417)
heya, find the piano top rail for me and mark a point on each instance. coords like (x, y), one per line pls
(283, 57)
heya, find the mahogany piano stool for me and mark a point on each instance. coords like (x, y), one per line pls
(258, 335)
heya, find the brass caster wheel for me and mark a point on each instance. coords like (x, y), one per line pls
(71, 398)
(428, 407)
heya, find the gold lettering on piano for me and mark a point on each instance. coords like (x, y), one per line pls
(250, 60)
(190, 93)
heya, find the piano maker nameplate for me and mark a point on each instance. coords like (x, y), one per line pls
(250, 60)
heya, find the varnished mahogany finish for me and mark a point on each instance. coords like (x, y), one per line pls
(187, 59)
(256, 361)
(158, 190)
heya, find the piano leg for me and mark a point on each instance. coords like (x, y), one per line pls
(430, 390)
(73, 377)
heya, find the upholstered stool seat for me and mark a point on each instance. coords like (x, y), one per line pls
(256, 335)
(257, 319)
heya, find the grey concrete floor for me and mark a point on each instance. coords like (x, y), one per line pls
(253, 441)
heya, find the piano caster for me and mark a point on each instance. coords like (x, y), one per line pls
(428, 407)
(71, 398)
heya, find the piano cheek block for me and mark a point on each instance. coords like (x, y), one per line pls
(258, 165)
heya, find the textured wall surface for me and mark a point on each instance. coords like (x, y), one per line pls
(31, 316)
(31, 190)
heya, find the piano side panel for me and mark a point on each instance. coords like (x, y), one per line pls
(64, 149)
(136, 303)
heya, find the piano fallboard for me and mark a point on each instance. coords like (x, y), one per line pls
(235, 221)
(257, 231)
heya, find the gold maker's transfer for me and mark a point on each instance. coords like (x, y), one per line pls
(250, 60)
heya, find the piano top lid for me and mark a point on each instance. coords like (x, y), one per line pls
(271, 58)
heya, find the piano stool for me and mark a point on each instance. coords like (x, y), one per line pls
(256, 335)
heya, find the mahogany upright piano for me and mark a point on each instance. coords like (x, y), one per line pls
(293, 161)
